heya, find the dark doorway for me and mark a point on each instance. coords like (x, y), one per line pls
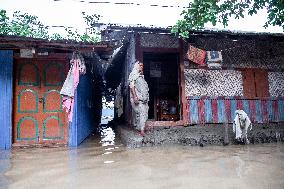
(161, 74)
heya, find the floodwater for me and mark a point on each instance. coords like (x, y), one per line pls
(102, 162)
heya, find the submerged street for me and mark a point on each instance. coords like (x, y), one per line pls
(103, 162)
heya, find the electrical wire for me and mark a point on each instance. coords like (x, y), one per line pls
(127, 3)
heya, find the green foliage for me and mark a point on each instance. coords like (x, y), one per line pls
(23, 24)
(4, 29)
(201, 12)
(56, 36)
(91, 34)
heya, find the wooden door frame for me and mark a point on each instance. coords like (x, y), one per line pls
(64, 57)
(139, 54)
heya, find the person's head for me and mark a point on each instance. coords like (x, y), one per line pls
(140, 67)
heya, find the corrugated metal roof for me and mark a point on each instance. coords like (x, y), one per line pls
(155, 29)
(16, 42)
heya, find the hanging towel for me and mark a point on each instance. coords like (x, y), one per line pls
(214, 59)
(69, 87)
(71, 82)
(68, 104)
(196, 55)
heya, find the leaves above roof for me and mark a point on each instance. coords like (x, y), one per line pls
(23, 24)
(201, 12)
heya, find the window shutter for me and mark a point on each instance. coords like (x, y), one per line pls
(261, 80)
(248, 83)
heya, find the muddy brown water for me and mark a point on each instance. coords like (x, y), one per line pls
(102, 162)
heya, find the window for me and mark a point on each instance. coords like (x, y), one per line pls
(255, 83)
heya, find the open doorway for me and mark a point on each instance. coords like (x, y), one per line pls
(161, 74)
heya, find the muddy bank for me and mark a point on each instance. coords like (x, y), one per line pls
(215, 134)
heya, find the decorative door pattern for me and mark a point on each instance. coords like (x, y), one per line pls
(38, 111)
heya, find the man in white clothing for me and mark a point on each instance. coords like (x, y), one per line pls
(241, 125)
(139, 96)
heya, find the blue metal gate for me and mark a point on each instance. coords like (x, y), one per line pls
(6, 95)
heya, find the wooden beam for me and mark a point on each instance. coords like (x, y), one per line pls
(182, 81)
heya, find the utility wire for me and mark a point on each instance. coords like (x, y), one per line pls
(128, 3)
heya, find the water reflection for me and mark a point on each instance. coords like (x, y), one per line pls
(109, 149)
(5, 165)
(107, 135)
(97, 165)
(107, 162)
(240, 166)
(106, 153)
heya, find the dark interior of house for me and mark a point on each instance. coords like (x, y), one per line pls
(161, 74)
